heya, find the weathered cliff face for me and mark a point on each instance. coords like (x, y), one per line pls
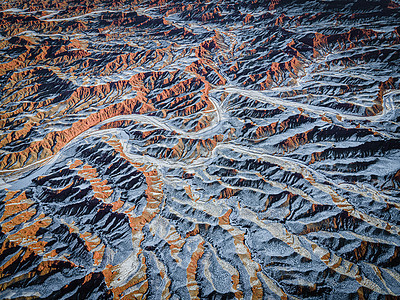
(193, 150)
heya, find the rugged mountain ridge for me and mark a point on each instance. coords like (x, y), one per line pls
(199, 150)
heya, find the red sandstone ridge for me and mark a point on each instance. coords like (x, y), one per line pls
(344, 40)
(54, 141)
(162, 149)
(377, 107)
(277, 74)
(396, 179)
(141, 83)
(274, 4)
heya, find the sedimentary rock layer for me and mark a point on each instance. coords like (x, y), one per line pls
(199, 150)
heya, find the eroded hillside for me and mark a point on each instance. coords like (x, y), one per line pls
(199, 150)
